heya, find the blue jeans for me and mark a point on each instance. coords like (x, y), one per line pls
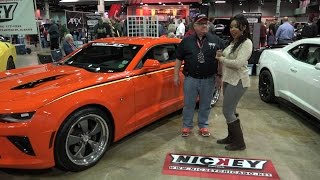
(43, 42)
(194, 88)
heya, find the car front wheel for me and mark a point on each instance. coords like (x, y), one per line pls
(82, 139)
(266, 87)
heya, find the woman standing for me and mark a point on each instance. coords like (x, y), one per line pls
(235, 79)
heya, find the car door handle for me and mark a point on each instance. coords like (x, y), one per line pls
(293, 69)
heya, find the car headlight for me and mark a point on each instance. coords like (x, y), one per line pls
(16, 117)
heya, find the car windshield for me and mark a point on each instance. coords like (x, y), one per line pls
(104, 57)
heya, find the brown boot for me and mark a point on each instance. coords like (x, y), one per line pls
(226, 140)
(237, 137)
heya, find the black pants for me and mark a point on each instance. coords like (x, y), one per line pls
(54, 43)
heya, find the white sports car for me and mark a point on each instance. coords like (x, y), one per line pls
(292, 73)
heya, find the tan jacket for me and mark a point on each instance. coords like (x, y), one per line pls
(235, 64)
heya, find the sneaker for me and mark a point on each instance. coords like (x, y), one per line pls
(204, 132)
(185, 132)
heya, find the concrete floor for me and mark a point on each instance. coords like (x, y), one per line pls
(271, 132)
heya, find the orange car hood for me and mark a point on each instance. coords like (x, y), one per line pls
(35, 86)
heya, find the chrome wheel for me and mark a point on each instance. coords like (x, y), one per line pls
(87, 139)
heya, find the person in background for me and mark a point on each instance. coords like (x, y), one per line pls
(272, 33)
(235, 77)
(198, 52)
(180, 29)
(211, 25)
(54, 35)
(75, 34)
(43, 36)
(285, 32)
(21, 38)
(171, 30)
(263, 34)
(124, 27)
(190, 31)
(310, 30)
(161, 29)
(68, 44)
(102, 30)
(63, 31)
(116, 27)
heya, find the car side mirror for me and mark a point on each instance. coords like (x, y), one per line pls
(151, 64)
(317, 66)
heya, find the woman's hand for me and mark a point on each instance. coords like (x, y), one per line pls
(219, 53)
(218, 58)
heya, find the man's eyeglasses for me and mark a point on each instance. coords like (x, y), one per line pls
(202, 23)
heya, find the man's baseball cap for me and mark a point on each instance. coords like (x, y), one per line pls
(201, 17)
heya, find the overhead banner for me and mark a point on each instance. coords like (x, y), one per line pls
(17, 17)
(75, 20)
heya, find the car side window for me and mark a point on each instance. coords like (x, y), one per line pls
(308, 53)
(295, 52)
(162, 53)
(165, 53)
(314, 55)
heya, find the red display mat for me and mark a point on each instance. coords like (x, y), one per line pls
(228, 168)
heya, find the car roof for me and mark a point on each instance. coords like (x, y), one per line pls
(309, 40)
(303, 41)
(140, 40)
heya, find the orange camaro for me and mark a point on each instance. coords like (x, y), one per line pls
(66, 114)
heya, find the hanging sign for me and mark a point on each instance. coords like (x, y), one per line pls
(74, 20)
(17, 17)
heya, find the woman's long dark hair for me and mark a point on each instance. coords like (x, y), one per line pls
(242, 23)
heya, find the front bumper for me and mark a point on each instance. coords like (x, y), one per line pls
(16, 140)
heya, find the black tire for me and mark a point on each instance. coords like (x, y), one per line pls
(266, 87)
(10, 63)
(82, 139)
(216, 95)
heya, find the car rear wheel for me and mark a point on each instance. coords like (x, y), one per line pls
(266, 87)
(10, 64)
(216, 95)
(82, 140)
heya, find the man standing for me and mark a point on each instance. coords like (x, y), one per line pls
(54, 36)
(102, 30)
(310, 30)
(181, 29)
(285, 32)
(272, 33)
(200, 68)
(263, 34)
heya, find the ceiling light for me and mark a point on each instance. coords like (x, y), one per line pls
(220, 2)
(66, 1)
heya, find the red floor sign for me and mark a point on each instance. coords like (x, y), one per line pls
(219, 167)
